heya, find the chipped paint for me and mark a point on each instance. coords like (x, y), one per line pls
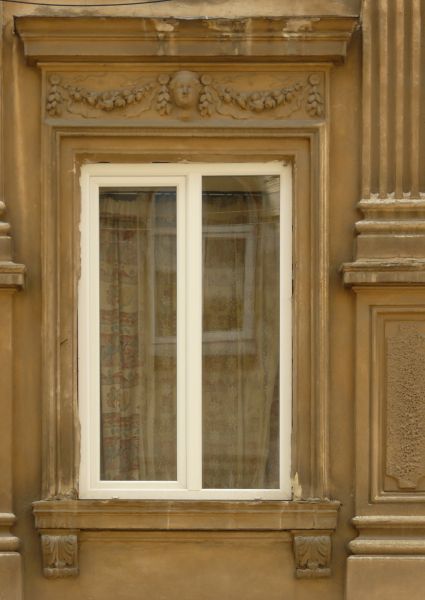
(300, 25)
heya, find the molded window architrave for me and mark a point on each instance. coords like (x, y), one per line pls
(61, 243)
(187, 180)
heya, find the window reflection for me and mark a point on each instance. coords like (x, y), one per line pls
(241, 332)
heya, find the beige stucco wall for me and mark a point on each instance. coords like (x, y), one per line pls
(252, 566)
(180, 564)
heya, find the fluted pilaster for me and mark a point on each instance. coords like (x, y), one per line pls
(390, 244)
(388, 275)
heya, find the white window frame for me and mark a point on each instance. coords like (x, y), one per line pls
(187, 178)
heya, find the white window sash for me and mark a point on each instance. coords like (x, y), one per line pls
(187, 179)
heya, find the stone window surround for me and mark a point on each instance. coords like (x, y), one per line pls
(69, 140)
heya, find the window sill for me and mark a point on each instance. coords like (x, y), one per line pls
(309, 523)
(142, 515)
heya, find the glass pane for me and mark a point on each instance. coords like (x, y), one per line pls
(240, 372)
(138, 333)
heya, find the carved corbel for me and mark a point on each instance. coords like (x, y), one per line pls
(312, 555)
(60, 555)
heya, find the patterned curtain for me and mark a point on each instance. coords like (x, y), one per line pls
(138, 397)
(241, 375)
(138, 335)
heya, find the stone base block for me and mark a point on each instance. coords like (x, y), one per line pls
(10, 576)
(385, 578)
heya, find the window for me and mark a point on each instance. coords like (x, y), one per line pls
(185, 331)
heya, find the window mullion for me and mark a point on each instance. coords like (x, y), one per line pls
(285, 360)
(182, 408)
(194, 330)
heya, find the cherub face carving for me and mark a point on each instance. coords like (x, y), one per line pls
(185, 87)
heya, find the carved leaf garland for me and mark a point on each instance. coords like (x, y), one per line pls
(184, 93)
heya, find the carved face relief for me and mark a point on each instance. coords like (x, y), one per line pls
(185, 88)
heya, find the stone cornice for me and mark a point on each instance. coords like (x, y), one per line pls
(253, 39)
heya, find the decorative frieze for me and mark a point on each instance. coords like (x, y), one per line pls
(312, 555)
(60, 555)
(186, 94)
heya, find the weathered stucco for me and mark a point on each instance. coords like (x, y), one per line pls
(227, 561)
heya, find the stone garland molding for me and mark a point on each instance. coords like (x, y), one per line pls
(184, 93)
(60, 555)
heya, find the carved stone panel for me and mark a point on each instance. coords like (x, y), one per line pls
(186, 95)
(312, 555)
(405, 405)
(60, 555)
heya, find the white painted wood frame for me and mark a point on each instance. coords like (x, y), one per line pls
(187, 180)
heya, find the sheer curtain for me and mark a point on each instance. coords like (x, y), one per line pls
(240, 339)
(138, 383)
(241, 368)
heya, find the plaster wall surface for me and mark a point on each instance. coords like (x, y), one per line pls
(178, 566)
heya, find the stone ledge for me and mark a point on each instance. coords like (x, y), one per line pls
(386, 272)
(185, 515)
(307, 39)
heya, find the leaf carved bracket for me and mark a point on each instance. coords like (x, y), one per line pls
(60, 555)
(312, 554)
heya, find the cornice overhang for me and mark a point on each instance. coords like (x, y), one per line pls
(135, 39)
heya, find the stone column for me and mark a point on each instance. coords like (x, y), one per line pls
(388, 278)
(11, 279)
